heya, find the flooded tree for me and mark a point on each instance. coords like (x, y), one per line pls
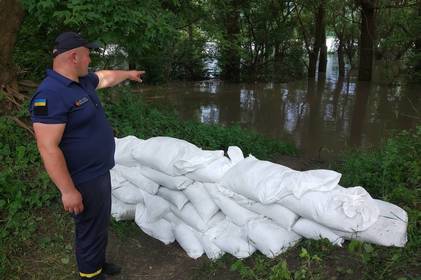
(367, 39)
(266, 40)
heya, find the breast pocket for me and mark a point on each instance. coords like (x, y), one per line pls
(81, 114)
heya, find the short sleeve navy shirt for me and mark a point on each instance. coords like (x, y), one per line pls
(88, 141)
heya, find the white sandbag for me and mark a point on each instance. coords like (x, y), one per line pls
(389, 230)
(216, 219)
(238, 214)
(121, 211)
(188, 240)
(171, 182)
(267, 182)
(201, 201)
(189, 215)
(347, 209)
(231, 238)
(212, 251)
(128, 193)
(214, 172)
(193, 160)
(161, 229)
(235, 154)
(155, 207)
(178, 198)
(276, 212)
(269, 238)
(173, 219)
(134, 175)
(116, 178)
(313, 230)
(123, 150)
(173, 156)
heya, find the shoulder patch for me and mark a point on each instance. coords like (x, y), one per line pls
(40, 107)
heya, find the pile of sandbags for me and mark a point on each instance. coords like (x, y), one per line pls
(215, 204)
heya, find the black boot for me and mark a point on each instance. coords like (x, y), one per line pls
(111, 269)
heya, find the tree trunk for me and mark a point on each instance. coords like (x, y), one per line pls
(11, 15)
(368, 31)
(277, 60)
(318, 29)
(341, 61)
(312, 63)
(323, 57)
(349, 51)
(323, 47)
(362, 92)
(418, 46)
(230, 54)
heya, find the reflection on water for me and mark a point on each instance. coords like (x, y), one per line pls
(209, 114)
(321, 117)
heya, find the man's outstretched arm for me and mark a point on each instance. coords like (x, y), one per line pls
(110, 78)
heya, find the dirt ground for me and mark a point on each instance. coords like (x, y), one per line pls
(143, 257)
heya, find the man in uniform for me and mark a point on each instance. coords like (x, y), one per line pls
(76, 143)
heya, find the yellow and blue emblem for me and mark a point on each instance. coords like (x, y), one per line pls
(40, 107)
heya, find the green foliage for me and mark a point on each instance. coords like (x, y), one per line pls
(146, 35)
(129, 115)
(259, 268)
(392, 173)
(24, 186)
(256, 40)
(259, 37)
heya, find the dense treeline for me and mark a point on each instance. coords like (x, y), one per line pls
(251, 40)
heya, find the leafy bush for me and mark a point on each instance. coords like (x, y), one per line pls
(24, 187)
(392, 173)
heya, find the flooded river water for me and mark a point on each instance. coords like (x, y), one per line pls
(322, 118)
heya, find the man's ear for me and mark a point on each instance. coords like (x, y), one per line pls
(74, 57)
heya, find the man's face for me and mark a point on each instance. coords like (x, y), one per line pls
(82, 61)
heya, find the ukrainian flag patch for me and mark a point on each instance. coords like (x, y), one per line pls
(40, 107)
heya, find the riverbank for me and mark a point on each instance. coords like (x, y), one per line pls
(34, 229)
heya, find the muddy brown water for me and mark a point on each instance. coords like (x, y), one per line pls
(322, 118)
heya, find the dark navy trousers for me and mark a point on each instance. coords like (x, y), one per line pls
(92, 226)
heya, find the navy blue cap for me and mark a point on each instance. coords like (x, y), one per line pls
(71, 40)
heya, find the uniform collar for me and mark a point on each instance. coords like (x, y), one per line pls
(57, 76)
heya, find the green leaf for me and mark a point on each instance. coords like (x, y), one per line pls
(2, 203)
(368, 248)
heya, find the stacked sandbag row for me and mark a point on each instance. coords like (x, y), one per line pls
(156, 183)
(325, 208)
(213, 204)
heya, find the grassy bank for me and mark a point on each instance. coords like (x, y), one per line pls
(28, 199)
